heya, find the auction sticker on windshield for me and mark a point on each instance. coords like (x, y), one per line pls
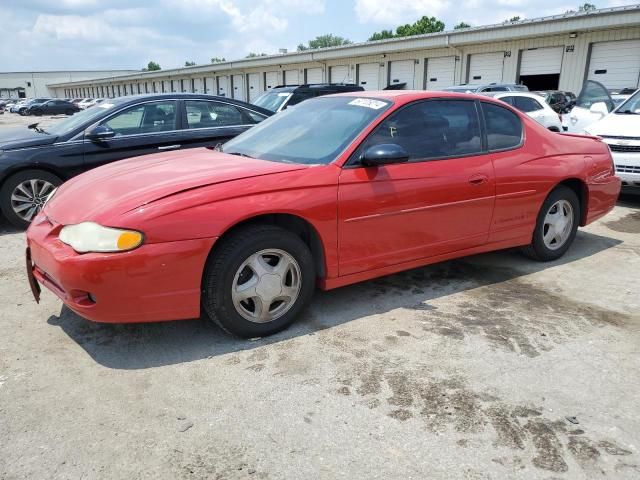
(368, 102)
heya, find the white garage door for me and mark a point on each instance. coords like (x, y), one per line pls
(223, 86)
(369, 76)
(238, 88)
(339, 74)
(291, 77)
(615, 64)
(254, 86)
(541, 61)
(270, 80)
(486, 67)
(440, 72)
(402, 71)
(314, 75)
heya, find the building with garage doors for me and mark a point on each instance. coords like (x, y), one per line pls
(35, 84)
(557, 52)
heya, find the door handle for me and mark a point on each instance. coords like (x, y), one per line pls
(478, 179)
(169, 147)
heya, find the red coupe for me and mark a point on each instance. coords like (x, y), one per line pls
(334, 191)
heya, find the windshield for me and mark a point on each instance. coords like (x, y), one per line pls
(71, 123)
(631, 105)
(314, 132)
(272, 100)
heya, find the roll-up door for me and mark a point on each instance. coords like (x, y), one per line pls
(254, 86)
(402, 71)
(486, 67)
(339, 74)
(369, 76)
(291, 77)
(615, 64)
(540, 68)
(441, 72)
(238, 88)
(223, 86)
(313, 75)
(270, 80)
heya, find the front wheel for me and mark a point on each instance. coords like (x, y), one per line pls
(69, 112)
(556, 225)
(258, 280)
(23, 195)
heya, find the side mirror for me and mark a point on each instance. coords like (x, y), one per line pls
(384, 154)
(599, 108)
(99, 133)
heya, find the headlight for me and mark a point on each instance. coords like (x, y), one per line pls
(91, 237)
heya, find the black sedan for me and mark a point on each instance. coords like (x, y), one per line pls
(34, 161)
(52, 107)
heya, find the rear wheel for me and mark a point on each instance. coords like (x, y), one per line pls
(69, 112)
(556, 225)
(258, 280)
(23, 195)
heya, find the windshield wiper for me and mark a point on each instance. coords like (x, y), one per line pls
(34, 126)
(238, 154)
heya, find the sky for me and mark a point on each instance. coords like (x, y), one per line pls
(127, 34)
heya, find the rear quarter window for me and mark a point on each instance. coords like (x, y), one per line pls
(503, 127)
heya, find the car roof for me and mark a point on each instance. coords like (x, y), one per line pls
(121, 101)
(535, 95)
(406, 96)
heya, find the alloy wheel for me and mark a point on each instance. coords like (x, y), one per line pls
(558, 224)
(28, 198)
(266, 285)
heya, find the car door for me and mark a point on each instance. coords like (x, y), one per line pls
(140, 129)
(209, 123)
(438, 202)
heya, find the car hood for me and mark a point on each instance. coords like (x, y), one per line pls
(118, 188)
(23, 137)
(619, 125)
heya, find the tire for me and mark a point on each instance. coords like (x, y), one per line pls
(10, 186)
(38, 113)
(69, 112)
(23, 112)
(561, 199)
(224, 272)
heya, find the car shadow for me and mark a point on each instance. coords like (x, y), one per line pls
(140, 346)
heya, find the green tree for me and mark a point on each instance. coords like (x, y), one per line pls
(324, 41)
(254, 55)
(152, 66)
(217, 60)
(189, 64)
(513, 19)
(461, 25)
(382, 35)
(423, 25)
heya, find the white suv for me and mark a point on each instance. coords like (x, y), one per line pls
(621, 130)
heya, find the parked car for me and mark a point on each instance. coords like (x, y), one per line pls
(560, 101)
(16, 106)
(52, 107)
(34, 161)
(491, 87)
(283, 96)
(24, 109)
(621, 131)
(77, 100)
(337, 190)
(534, 106)
(86, 103)
(593, 103)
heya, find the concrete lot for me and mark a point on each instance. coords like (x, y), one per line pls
(465, 369)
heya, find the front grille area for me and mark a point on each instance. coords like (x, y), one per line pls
(627, 169)
(625, 148)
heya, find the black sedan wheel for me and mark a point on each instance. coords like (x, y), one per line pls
(23, 195)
